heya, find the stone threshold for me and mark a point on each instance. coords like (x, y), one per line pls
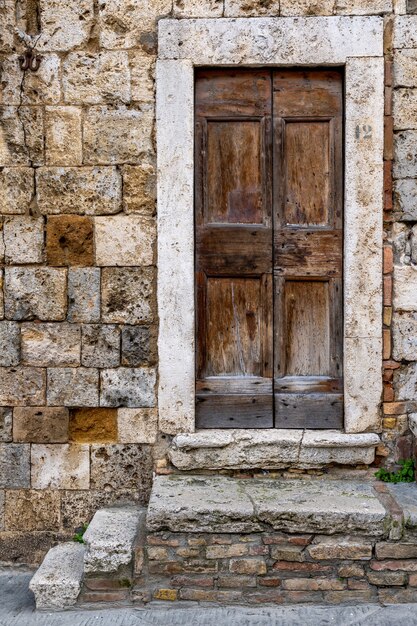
(271, 449)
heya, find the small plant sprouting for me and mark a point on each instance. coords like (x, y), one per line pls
(404, 475)
(79, 533)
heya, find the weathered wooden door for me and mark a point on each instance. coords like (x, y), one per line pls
(269, 226)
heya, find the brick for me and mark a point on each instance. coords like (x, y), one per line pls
(29, 510)
(165, 569)
(40, 424)
(340, 548)
(84, 294)
(139, 345)
(125, 240)
(6, 419)
(386, 336)
(397, 596)
(35, 293)
(313, 584)
(394, 408)
(166, 594)
(157, 553)
(187, 553)
(23, 239)
(127, 295)
(63, 145)
(192, 581)
(269, 581)
(10, 344)
(122, 466)
(155, 540)
(258, 551)
(105, 596)
(214, 595)
(20, 386)
(139, 189)
(394, 565)
(100, 345)
(388, 395)
(79, 190)
(96, 77)
(14, 466)
(412, 581)
(137, 425)
(301, 567)
(388, 579)
(265, 596)
(247, 566)
(51, 345)
(130, 387)
(388, 259)
(350, 569)
(236, 582)
(358, 585)
(69, 240)
(288, 553)
(225, 552)
(60, 466)
(102, 584)
(196, 541)
(387, 290)
(386, 550)
(200, 566)
(74, 387)
(16, 190)
(338, 597)
(220, 539)
(93, 425)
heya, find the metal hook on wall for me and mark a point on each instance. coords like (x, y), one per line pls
(30, 61)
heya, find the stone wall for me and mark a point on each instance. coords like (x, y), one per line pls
(78, 416)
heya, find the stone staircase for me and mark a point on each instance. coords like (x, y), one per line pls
(247, 541)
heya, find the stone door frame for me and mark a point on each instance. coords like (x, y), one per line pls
(353, 42)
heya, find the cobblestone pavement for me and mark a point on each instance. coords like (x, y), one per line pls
(17, 609)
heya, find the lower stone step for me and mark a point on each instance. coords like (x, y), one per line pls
(57, 582)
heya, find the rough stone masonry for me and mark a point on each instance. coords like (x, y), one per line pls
(78, 417)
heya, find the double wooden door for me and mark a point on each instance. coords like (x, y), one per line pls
(269, 248)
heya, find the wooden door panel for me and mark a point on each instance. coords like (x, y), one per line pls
(234, 172)
(314, 410)
(307, 252)
(307, 175)
(234, 410)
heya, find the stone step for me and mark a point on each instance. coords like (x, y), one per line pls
(57, 582)
(110, 537)
(222, 504)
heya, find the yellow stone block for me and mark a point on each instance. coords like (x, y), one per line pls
(166, 594)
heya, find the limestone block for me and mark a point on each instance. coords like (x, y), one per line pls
(69, 386)
(14, 466)
(320, 448)
(10, 343)
(405, 163)
(117, 135)
(139, 188)
(262, 40)
(1, 510)
(123, 22)
(63, 136)
(20, 386)
(86, 190)
(405, 198)
(204, 8)
(80, 506)
(401, 235)
(93, 425)
(21, 140)
(7, 25)
(16, 190)
(96, 77)
(142, 67)
(23, 239)
(127, 295)
(363, 385)
(84, 294)
(405, 31)
(100, 345)
(35, 292)
(29, 510)
(253, 8)
(405, 381)
(110, 538)
(69, 240)
(1, 294)
(6, 420)
(57, 582)
(326, 548)
(405, 288)
(60, 466)
(122, 466)
(137, 425)
(41, 87)
(125, 240)
(307, 7)
(404, 336)
(65, 25)
(236, 449)
(405, 68)
(40, 424)
(130, 387)
(362, 7)
(405, 109)
(138, 345)
(2, 250)
(51, 345)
